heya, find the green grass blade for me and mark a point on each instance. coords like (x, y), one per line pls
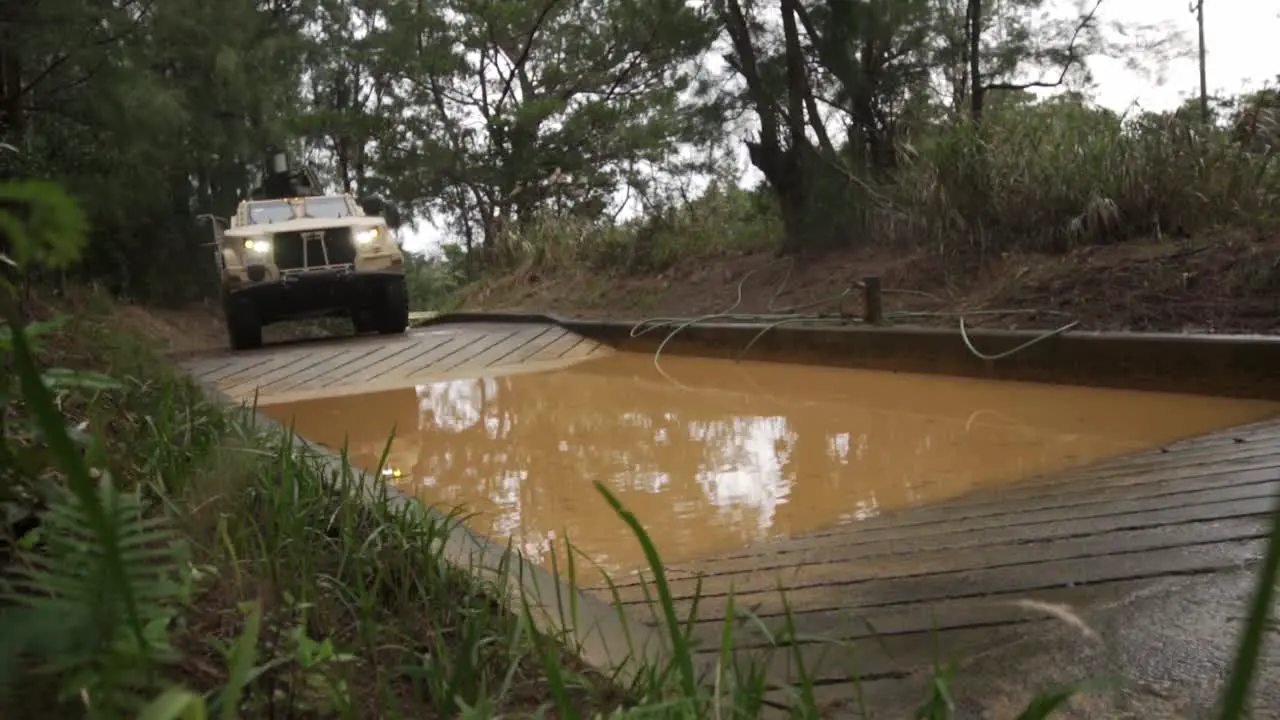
(1236, 698)
(240, 661)
(679, 642)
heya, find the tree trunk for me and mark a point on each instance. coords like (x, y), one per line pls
(1204, 80)
(977, 93)
(13, 119)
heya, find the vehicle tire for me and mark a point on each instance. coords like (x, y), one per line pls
(244, 327)
(392, 317)
(362, 321)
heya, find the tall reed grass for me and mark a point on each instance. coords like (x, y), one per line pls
(1043, 177)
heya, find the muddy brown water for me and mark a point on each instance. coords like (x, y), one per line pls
(712, 455)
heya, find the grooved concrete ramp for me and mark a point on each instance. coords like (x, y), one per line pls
(340, 366)
(1139, 567)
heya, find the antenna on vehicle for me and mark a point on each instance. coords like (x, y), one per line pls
(281, 181)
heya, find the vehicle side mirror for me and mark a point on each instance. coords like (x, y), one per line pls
(217, 224)
(375, 205)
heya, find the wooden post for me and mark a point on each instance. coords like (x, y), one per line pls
(873, 309)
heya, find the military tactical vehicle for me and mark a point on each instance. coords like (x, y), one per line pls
(292, 252)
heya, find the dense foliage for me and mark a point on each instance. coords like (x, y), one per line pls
(524, 127)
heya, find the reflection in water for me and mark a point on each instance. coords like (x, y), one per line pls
(741, 453)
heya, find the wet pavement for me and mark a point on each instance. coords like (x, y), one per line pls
(1160, 650)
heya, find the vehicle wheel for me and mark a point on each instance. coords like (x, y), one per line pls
(244, 327)
(393, 315)
(362, 321)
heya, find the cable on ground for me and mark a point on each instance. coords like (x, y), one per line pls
(778, 317)
(964, 335)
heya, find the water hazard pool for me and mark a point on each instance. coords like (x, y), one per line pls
(712, 455)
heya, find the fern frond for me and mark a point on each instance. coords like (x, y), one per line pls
(65, 607)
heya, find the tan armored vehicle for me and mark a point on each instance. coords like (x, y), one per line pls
(290, 258)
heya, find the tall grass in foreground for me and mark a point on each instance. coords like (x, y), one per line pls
(215, 569)
(253, 583)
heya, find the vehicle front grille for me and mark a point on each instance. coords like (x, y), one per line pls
(313, 248)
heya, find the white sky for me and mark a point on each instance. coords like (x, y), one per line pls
(1239, 35)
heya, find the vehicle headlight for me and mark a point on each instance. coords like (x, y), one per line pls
(261, 247)
(364, 237)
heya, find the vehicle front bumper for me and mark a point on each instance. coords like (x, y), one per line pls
(315, 292)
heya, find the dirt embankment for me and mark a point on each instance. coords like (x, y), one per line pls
(1225, 283)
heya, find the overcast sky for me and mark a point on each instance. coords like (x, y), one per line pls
(1241, 36)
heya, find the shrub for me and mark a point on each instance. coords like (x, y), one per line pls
(1041, 177)
(1058, 174)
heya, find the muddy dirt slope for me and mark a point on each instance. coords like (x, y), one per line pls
(1225, 283)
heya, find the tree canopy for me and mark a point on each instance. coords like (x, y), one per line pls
(486, 116)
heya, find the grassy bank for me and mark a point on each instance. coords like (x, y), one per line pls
(260, 584)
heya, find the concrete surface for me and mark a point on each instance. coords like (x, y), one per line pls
(1137, 569)
(1226, 365)
(297, 370)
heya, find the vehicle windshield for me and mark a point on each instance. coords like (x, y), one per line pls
(269, 212)
(327, 207)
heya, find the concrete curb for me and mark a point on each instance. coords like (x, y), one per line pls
(1246, 366)
(606, 638)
